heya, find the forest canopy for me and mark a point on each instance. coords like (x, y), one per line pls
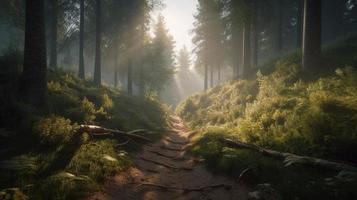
(257, 100)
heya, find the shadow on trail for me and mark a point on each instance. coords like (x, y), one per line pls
(164, 170)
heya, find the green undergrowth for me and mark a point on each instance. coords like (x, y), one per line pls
(281, 110)
(292, 182)
(49, 158)
(339, 53)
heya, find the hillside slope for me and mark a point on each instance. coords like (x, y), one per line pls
(283, 112)
(46, 156)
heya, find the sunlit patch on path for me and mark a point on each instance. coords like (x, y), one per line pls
(164, 170)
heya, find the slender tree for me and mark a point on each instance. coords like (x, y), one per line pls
(33, 80)
(81, 71)
(299, 22)
(255, 35)
(183, 60)
(312, 35)
(246, 48)
(212, 76)
(130, 77)
(53, 32)
(206, 77)
(98, 40)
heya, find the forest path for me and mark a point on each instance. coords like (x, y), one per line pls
(165, 171)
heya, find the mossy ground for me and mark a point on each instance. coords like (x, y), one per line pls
(48, 158)
(283, 110)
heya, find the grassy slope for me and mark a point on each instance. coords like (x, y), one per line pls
(48, 159)
(280, 111)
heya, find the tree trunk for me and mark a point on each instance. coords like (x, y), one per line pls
(141, 81)
(212, 77)
(115, 77)
(219, 75)
(299, 23)
(97, 67)
(255, 38)
(246, 49)
(238, 49)
(33, 84)
(206, 77)
(277, 28)
(312, 35)
(130, 77)
(280, 26)
(53, 32)
(81, 72)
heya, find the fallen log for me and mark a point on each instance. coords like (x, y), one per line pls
(289, 158)
(198, 189)
(98, 131)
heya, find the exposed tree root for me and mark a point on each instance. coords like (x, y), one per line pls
(172, 149)
(198, 189)
(165, 164)
(191, 134)
(101, 132)
(175, 142)
(161, 154)
(290, 159)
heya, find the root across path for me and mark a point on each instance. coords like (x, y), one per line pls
(165, 171)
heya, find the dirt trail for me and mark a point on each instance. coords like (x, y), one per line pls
(164, 171)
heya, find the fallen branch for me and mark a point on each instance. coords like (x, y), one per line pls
(165, 164)
(98, 131)
(199, 189)
(172, 149)
(161, 154)
(175, 142)
(289, 159)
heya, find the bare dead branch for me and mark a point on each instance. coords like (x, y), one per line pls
(290, 159)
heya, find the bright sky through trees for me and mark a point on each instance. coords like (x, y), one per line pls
(179, 20)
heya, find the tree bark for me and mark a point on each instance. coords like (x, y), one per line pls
(277, 28)
(130, 77)
(115, 77)
(141, 81)
(212, 77)
(312, 35)
(238, 49)
(219, 74)
(33, 83)
(81, 71)
(246, 49)
(299, 23)
(97, 67)
(53, 32)
(255, 37)
(206, 77)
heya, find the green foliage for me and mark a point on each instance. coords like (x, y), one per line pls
(54, 130)
(52, 160)
(280, 111)
(63, 186)
(12, 194)
(98, 160)
(293, 182)
(284, 113)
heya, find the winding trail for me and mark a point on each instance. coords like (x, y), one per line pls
(164, 171)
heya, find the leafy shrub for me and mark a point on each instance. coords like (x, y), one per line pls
(98, 160)
(285, 113)
(63, 186)
(54, 130)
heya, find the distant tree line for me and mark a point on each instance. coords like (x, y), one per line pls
(113, 34)
(244, 33)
